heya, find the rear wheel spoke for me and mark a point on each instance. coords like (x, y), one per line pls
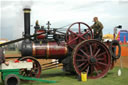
(81, 65)
(81, 56)
(84, 67)
(102, 63)
(94, 48)
(84, 53)
(87, 69)
(91, 50)
(82, 60)
(90, 70)
(101, 54)
(100, 59)
(99, 66)
(97, 52)
(96, 70)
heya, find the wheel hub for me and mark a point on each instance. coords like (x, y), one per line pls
(93, 60)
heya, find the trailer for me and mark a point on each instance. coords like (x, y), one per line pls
(10, 74)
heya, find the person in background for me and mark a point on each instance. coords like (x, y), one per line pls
(97, 27)
(2, 57)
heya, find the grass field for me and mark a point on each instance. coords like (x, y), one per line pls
(63, 78)
(12, 52)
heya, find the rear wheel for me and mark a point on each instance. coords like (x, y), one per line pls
(93, 57)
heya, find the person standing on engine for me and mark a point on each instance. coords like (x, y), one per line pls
(97, 28)
(2, 58)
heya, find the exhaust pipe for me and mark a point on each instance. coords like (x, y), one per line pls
(26, 22)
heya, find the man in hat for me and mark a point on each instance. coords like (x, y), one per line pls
(2, 58)
(97, 27)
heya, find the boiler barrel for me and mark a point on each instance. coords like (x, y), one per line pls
(50, 50)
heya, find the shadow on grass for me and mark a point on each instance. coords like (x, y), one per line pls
(1, 83)
(58, 74)
(108, 74)
(54, 73)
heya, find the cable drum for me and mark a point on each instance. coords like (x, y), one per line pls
(113, 49)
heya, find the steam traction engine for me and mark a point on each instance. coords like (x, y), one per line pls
(75, 49)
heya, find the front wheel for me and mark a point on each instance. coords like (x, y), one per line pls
(35, 71)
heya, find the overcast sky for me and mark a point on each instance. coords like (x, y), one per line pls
(60, 13)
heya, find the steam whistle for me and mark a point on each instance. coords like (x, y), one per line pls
(37, 23)
(37, 26)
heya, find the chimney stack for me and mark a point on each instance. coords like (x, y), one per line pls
(26, 22)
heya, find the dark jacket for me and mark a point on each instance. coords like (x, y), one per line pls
(2, 58)
(97, 26)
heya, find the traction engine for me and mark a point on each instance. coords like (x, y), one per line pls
(75, 49)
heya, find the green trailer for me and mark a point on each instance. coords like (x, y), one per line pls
(13, 77)
(10, 74)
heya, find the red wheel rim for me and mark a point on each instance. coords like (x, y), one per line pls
(35, 71)
(93, 57)
(73, 38)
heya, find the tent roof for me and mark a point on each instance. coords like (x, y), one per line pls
(108, 36)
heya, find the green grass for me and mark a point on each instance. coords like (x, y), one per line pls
(12, 52)
(63, 78)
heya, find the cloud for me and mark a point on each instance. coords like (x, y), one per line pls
(60, 13)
